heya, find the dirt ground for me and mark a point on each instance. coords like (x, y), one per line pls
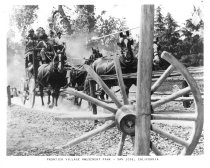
(36, 132)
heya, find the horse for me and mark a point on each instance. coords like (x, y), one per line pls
(78, 74)
(53, 77)
(128, 61)
(105, 65)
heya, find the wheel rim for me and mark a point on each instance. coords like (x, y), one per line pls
(195, 117)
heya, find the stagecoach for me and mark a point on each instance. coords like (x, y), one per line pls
(143, 120)
(30, 84)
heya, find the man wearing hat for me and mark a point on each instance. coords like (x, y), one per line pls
(30, 37)
(51, 38)
(51, 30)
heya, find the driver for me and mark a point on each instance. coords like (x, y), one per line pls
(60, 45)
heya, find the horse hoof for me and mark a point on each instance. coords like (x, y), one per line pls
(50, 106)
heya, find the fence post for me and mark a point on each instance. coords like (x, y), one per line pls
(9, 95)
(144, 76)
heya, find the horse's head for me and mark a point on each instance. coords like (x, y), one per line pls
(59, 61)
(125, 43)
(156, 56)
(95, 55)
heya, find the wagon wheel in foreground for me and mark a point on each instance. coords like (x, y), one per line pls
(124, 114)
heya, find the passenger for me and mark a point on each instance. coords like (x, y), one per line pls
(46, 53)
(51, 38)
(51, 29)
(31, 41)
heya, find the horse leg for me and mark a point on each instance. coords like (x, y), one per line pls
(80, 102)
(76, 100)
(41, 94)
(57, 93)
(53, 99)
(102, 95)
(49, 94)
(107, 97)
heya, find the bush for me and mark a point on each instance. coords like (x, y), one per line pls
(192, 60)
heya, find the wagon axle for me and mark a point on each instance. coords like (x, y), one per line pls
(125, 118)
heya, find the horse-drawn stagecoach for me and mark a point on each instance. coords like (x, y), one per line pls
(48, 76)
(140, 119)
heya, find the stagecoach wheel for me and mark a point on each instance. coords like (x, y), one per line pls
(124, 114)
(192, 119)
(32, 92)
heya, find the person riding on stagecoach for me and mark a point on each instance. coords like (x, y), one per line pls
(31, 41)
(60, 45)
(45, 46)
(51, 38)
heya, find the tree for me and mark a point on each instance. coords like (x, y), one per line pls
(171, 37)
(23, 17)
(106, 27)
(159, 25)
(84, 22)
(87, 16)
(192, 38)
(61, 21)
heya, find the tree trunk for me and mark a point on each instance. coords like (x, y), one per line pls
(65, 19)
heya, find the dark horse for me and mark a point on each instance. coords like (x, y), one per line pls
(53, 77)
(78, 74)
(105, 65)
(128, 61)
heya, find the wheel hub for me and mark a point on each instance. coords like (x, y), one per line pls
(125, 118)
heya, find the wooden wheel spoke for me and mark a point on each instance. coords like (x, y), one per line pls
(171, 97)
(162, 78)
(95, 76)
(133, 140)
(86, 117)
(155, 149)
(91, 99)
(84, 137)
(185, 117)
(120, 79)
(121, 144)
(169, 136)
